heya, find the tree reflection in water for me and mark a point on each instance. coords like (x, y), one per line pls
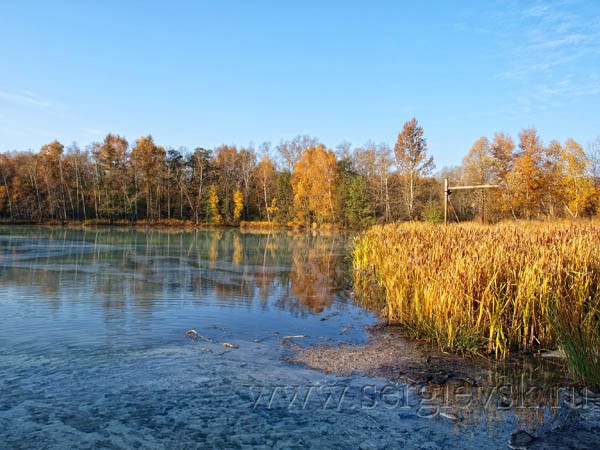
(298, 272)
(314, 275)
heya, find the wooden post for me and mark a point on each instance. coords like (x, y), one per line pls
(446, 201)
(483, 206)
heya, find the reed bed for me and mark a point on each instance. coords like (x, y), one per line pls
(488, 289)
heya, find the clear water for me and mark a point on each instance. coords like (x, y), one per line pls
(93, 352)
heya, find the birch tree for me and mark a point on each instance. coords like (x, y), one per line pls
(412, 160)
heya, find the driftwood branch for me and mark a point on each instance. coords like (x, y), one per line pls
(194, 336)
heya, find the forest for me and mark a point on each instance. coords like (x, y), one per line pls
(299, 182)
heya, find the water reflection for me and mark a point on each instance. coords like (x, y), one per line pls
(528, 395)
(300, 273)
(314, 274)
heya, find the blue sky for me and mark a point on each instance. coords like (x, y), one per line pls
(206, 73)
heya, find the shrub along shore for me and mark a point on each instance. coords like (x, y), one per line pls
(488, 289)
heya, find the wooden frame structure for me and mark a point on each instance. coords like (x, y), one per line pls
(448, 190)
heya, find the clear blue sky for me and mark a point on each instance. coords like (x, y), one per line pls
(206, 73)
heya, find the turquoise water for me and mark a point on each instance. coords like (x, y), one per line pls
(94, 352)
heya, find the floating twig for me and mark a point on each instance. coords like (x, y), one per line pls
(450, 416)
(194, 336)
(345, 329)
(293, 337)
(290, 339)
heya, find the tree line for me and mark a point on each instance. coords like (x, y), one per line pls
(299, 182)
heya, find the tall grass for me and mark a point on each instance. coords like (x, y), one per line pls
(488, 289)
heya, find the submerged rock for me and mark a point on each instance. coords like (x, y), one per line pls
(568, 439)
(520, 440)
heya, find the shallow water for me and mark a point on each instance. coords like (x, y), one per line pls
(93, 352)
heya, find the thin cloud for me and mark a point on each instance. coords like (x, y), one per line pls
(550, 36)
(93, 131)
(25, 98)
(546, 49)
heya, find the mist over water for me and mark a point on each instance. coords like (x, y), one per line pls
(93, 352)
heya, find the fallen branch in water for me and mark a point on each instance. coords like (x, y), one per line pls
(194, 336)
(345, 329)
(275, 333)
(290, 339)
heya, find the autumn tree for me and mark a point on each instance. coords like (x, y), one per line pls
(355, 206)
(110, 187)
(553, 196)
(52, 177)
(78, 170)
(174, 180)
(478, 170)
(22, 171)
(594, 157)
(291, 151)
(228, 166)
(374, 162)
(266, 183)
(412, 160)
(502, 148)
(384, 162)
(7, 172)
(577, 185)
(200, 172)
(149, 167)
(314, 182)
(310, 186)
(526, 179)
(594, 172)
(238, 205)
(247, 164)
(213, 204)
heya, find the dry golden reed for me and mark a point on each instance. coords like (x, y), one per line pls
(485, 288)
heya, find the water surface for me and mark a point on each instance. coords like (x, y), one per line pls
(93, 352)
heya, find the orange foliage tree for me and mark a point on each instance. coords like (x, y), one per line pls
(526, 181)
(314, 182)
(149, 165)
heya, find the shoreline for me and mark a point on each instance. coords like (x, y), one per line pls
(467, 390)
(389, 354)
(175, 224)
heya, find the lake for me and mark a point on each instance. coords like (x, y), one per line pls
(94, 352)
